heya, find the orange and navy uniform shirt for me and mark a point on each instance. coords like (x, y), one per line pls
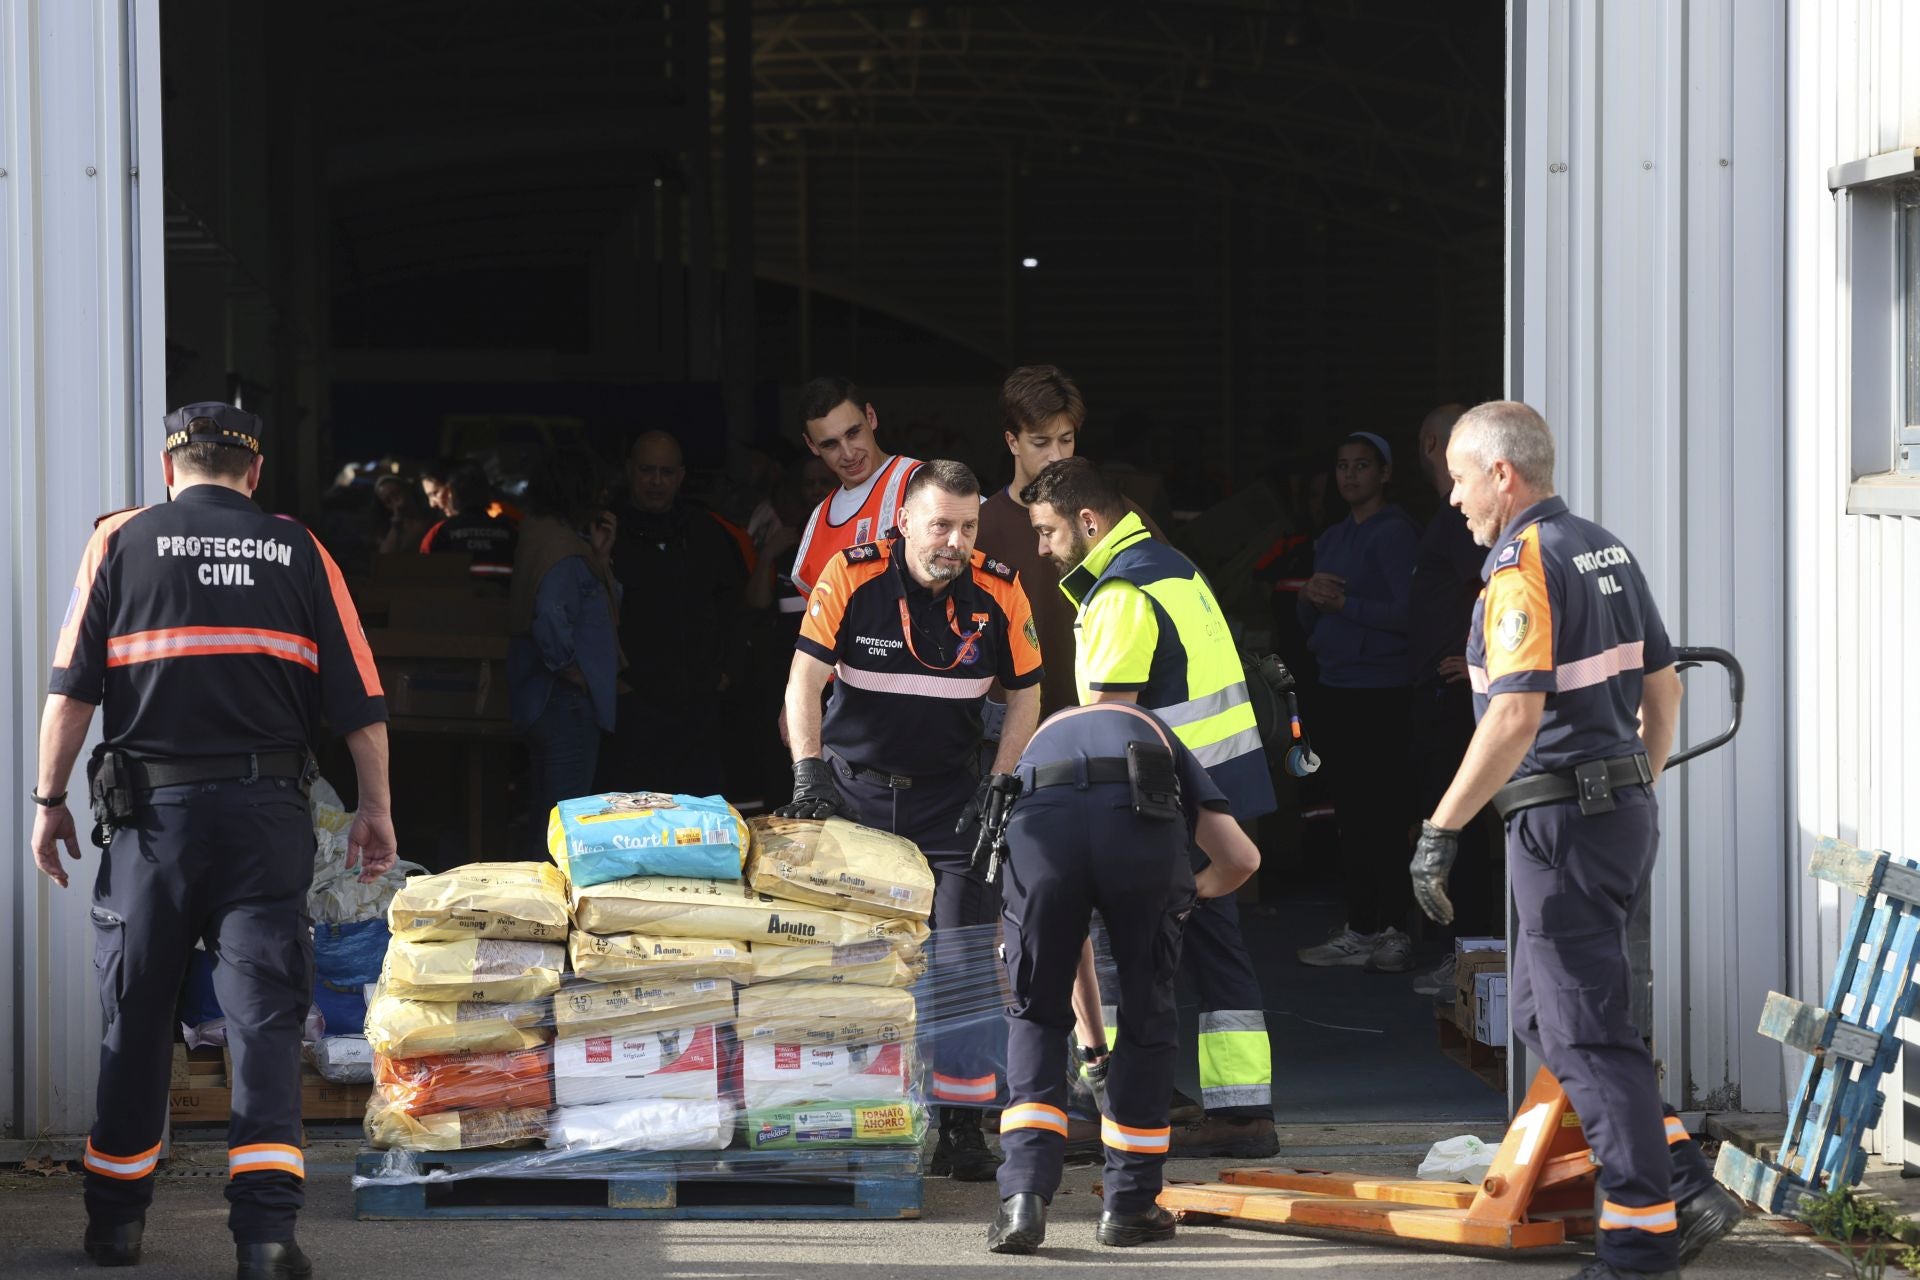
(913, 666)
(1566, 612)
(206, 627)
(488, 538)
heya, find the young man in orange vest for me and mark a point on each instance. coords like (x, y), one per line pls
(840, 429)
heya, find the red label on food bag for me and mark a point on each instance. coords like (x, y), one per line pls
(600, 1049)
(786, 1057)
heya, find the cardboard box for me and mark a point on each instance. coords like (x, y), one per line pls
(455, 689)
(1473, 957)
(1490, 1009)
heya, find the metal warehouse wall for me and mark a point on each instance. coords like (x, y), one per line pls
(1854, 580)
(1646, 278)
(80, 281)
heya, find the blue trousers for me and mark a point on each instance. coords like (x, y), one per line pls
(1072, 851)
(227, 863)
(1576, 881)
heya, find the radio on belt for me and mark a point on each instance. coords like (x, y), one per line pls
(1155, 787)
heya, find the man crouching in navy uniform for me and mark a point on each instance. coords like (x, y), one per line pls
(1109, 802)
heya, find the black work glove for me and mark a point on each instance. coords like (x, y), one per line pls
(976, 808)
(1432, 862)
(814, 792)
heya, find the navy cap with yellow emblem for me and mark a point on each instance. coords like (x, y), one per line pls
(215, 422)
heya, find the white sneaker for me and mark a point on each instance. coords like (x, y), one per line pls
(1392, 952)
(1438, 979)
(1344, 946)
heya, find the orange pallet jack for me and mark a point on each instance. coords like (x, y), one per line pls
(1538, 1194)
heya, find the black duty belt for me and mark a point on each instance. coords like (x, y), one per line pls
(902, 781)
(1592, 784)
(144, 775)
(1072, 773)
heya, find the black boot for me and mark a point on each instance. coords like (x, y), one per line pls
(1705, 1218)
(1122, 1230)
(281, 1260)
(968, 1158)
(114, 1244)
(1598, 1270)
(1020, 1226)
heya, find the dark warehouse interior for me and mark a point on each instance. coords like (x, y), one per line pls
(444, 228)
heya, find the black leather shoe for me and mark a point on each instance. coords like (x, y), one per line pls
(1020, 1225)
(1598, 1270)
(969, 1159)
(281, 1260)
(114, 1244)
(1122, 1230)
(1705, 1218)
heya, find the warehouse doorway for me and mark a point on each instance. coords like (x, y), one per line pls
(1245, 228)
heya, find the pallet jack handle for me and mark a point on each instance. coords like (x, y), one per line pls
(1687, 657)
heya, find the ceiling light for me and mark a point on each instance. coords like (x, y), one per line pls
(1029, 262)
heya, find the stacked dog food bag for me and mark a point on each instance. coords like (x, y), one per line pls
(461, 1018)
(824, 933)
(678, 981)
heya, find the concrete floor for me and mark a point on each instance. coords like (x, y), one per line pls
(41, 1220)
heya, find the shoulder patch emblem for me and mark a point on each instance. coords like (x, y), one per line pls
(1512, 629)
(865, 551)
(1031, 632)
(998, 568)
(1509, 556)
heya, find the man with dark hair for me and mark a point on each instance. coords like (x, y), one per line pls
(915, 628)
(1151, 633)
(216, 638)
(471, 528)
(436, 485)
(841, 429)
(684, 577)
(1041, 416)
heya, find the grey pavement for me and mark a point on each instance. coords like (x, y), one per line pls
(41, 1219)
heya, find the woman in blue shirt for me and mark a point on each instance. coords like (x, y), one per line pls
(564, 657)
(1354, 610)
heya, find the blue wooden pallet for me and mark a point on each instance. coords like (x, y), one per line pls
(1852, 1043)
(883, 1183)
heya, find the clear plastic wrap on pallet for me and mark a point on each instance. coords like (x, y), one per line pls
(704, 1028)
(514, 901)
(646, 833)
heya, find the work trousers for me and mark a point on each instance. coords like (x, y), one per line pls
(227, 863)
(1072, 851)
(959, 999)
(1234, 1051)
(1360, 733)
(563, 748)
(1576, 880)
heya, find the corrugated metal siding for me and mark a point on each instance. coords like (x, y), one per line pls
(1645, 292)
(1854, 580)
(80, 279)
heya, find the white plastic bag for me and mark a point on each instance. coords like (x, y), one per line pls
(1462, 1159)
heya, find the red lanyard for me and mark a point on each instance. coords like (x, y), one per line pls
(969, 640)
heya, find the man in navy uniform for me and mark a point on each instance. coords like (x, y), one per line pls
(914, 630)
(1577, 698)
(1109, 800)
(217, 638)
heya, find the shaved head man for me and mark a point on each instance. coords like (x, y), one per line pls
(1435, 430)
(656, 468)
(683, 572)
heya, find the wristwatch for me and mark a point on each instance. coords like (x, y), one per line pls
(1094, 1054)
(48, 802)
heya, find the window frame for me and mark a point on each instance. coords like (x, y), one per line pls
(1882, 224)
